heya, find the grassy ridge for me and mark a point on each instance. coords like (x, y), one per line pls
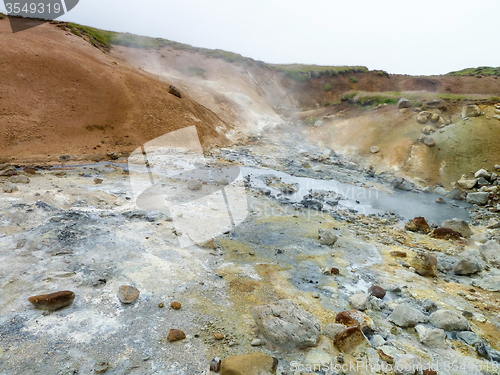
(480, 71)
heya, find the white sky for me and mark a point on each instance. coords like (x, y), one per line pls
(408, 37)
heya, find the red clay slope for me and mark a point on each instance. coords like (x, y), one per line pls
(59, 95)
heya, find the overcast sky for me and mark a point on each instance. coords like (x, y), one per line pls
(411, 37)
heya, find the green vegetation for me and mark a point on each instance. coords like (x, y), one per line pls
(348, 96)
(480, 71)
(98, 38)
(326, 104)
(196, 71)
(303, 73)
(311, 120)
(296, 75)
(353, 79)
(2, 16)
(382, 73)
(328, 86)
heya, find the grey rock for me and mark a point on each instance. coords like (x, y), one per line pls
(459, 226)
(9, 187)
(194, 185)
(7, 170)
(483, 173)
(429, 141)
(429, 305)
(406, 364)
(431, 337)
(455, 194)
(422, 119)
(402, 184)
(287, 324)
(19, 179)
(490, 252)
(377, 341)
(333, 329)
(480, 198)
(406, 316)
(471, 111)
(360, 301)
(440, 190)
(327, 236)
(490, 283)
(470, 338)
(482, 182)
(449, 320)
(318, 123)
(466, 182)
(467, 266)
(493, 224)
(404, 103)
(374, 149)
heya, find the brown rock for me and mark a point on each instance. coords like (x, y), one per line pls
(98, 181)
(353, 318)
(335, 271)
(397, 253)
(128, 293)
(377, 291)
(175, 305)
(425, 264)
(176, 335)
(350, 339)
(249, 364)
(30, 171)
(418, 224)
(174, 91)
(445, 233)
(53, 301)
(219, 336)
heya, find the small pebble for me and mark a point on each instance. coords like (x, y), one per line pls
(257, 342)
(335, 271)
(175, 305)
(315, 295)
(53, 301)
(101, 368)
(219, 336)
(175, 335)
(98, 181)
(215, 364)
(377, 291)
(128, 294)
(396, 253)
(161, 305)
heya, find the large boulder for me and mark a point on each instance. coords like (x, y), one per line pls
(249, 364)
(490, 283)
(483, 173)
(490, 252)
(471, 111)
(418, 224)
(466, 182)
(406, 316)
(431, 337)
(459, 226)
(286, 324)
(449, 320)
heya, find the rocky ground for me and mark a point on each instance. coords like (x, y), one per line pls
(283, 283)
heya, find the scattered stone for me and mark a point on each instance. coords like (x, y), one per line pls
(404, 103)
(419, 224)
(176, 335)
(429, 141)
(353, 318)
(9, 187)
(397, 253)
(493, 224)
(430, 337)
(215, 364)
(219, 336)
(429, 305)
(467, 266)
(445, 234)
(440, 190)
(257, 342)
(455, 194)
(434, 117)
(422, 119)
(335, 271)
(374, 149)
(161, 305)
(470, 338)
(377, 291)
(425, 264)
(428, 130)
(440, 200)
(480, 198)
(482, 182)
(388, 353)
(471, 111)
(467, 183)
(360, 301)
(98, 181)
(287, 324)
(350, 339)
(128, 294)
(449, 320)
(194, 185)
(249, 364)
(19, 179)
(53, 301)
(7, 170)
(175, 305)
(406, 316)
(402, 184)
(459, 226)
(377, 341)
(174, 91)
(483, 173)
(101, 368)
(331, 330)
(327, 236)
(31, 171)
(489, 283)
